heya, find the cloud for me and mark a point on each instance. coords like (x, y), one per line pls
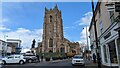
(25, 35)
(25, 50)
(2, 20)
(83, 37)
(85, 20)
(2, 27)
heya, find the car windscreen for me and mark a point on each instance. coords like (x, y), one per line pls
(77, 57)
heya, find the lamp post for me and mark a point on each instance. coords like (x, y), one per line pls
(86, 47)
(87, 38)
(97, 47)
(5, 46)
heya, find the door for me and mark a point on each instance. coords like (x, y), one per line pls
(10, 59)
(16, 59)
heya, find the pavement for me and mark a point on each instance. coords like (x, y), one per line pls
(90, 63)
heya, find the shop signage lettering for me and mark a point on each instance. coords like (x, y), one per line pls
(107, 36)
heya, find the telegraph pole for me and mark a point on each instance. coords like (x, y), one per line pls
(97, 47)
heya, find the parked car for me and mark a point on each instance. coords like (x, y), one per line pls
(78, 60)
(30, 58)
(14, 59)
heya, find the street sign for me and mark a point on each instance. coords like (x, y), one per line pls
(117, 6)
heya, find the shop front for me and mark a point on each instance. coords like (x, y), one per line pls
(109, 46)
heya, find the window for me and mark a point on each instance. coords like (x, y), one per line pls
(112, 51)
(101, 27)
(105, 54)
(51, 42)
(99, 13)
(78, 57)
(17, 56)
(112, 16)
(54, 27)
(62, 50)
(50, 18)
(10, 57)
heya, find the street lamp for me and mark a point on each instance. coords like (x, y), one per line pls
(86, 38)
(97, 47)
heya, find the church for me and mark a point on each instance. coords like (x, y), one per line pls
(53, 37)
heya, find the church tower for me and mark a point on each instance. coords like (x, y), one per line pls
(52, 30)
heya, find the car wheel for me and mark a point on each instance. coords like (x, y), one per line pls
(83, 65)
(72, 64)
(30, 60)
(21, 62)
(3, 62)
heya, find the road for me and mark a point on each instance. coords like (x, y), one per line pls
(51, 64)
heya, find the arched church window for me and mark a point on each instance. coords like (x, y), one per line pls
(50, 18)
(51, 42)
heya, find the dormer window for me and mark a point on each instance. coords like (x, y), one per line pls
(50, 18)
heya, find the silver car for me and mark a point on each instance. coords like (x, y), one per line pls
(78, 60)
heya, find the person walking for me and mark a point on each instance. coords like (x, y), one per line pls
(38, 58)
(94, 58)
(42, 58)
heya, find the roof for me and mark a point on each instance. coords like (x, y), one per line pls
(13, 40)
(2, 40)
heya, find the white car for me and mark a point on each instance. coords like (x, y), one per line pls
(14, 59)
(78, 60)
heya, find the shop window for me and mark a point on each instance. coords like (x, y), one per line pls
(105, 53)
(112, 51)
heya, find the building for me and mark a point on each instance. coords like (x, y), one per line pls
(4, 49)
(53, 38)
(106, 22)
(15, 44)
(74, 47)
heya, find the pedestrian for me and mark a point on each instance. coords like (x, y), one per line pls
(94, 58)
(38, 58)
(90, 56)
(41, 58)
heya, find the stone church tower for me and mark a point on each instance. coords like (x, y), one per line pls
(52, 37)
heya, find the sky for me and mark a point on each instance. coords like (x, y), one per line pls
(24, 20)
